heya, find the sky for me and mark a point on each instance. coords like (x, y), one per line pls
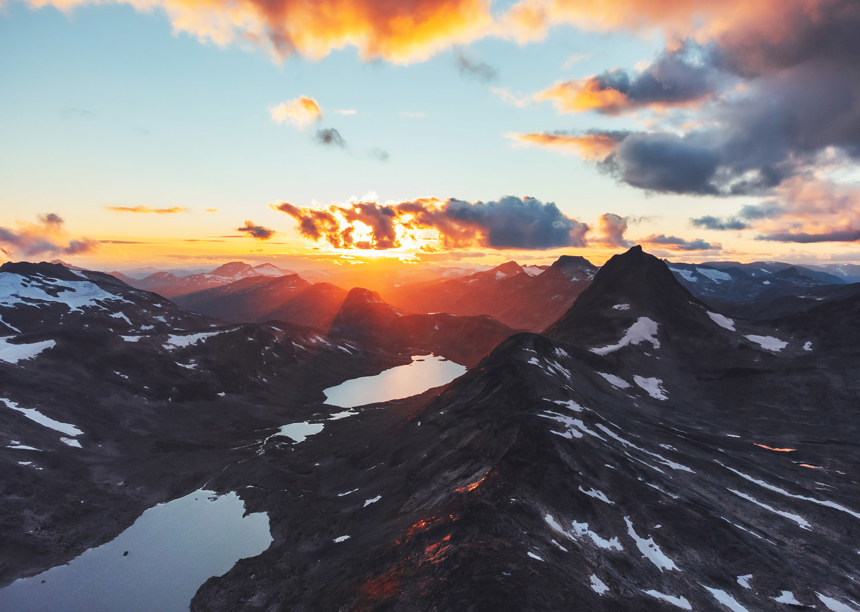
(180, 134)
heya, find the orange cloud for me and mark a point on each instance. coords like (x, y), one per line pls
(529, 20)
(508, 223)
(594, 146)
(300, 112)
(402, 32)
(584, 95)
(147, 210)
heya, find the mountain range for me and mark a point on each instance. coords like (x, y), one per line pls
(646, 451)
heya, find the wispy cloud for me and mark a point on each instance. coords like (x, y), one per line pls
(346, 111)
(674, 243)
(329, 137)
(515, 98)
(480, 71)
(148, 210)
(588, 145)
(299, 112)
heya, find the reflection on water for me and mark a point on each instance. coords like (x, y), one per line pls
(156, 564)
(425, 372)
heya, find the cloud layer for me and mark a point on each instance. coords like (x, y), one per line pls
(47, 237)
(508, 223)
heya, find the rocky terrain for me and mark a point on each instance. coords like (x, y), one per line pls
(646, 452)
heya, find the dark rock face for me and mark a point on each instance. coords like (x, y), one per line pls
(646, 453)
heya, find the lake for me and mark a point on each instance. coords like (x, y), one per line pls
(173, 548)
(425, 372)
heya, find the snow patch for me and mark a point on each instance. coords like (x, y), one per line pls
(802, 522)
(807, 346)
(598, 586)
(686, 274)
(534, 556)
(723, 322)
(715, 275)
(680, 602)
(725, 599)
(131, 338)
(643, 330)
(372, 500)
(340, 539)
(768, 342)
(615, 381)
(621, 307)
(17, 289)
(596, 494)
(650, 550)
(653, 386)
(787, 597)
(744, 581)
(177, 341)
(834, 604)
(13, 353)
(41, 419)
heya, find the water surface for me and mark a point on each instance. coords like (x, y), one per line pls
(173, 549)
(425, 372)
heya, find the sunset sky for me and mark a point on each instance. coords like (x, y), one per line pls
(180, 133)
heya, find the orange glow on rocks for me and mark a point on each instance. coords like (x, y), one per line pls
(779, 450)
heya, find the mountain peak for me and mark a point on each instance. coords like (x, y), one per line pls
(233, 268)
(630, 285)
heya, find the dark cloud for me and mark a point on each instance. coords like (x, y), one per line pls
(256, 231)
(379, 154)
(851, 235)
(665, 162)
(508, 223)
(475, 70)
(678, 77)
(679, 244)
(777, 103)
(715, 223)
(47, 237)
(329, 137)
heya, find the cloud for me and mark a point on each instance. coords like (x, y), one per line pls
(476, 70)
(299, 112)
(679, 244)
(769, 88)
(516, 99)
(588, 145)
(400, 32)
(413, 114)
(346, 111)
(379, 154)
(329, 137)
(147, 210)
(804, 210)
(611, 228)
(46, 237)
(674, 79)
(851, 235)
(256, 231)
(715, 223)
(508, 223)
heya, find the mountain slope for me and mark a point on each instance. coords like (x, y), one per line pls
(507, 293)
(552, 476)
